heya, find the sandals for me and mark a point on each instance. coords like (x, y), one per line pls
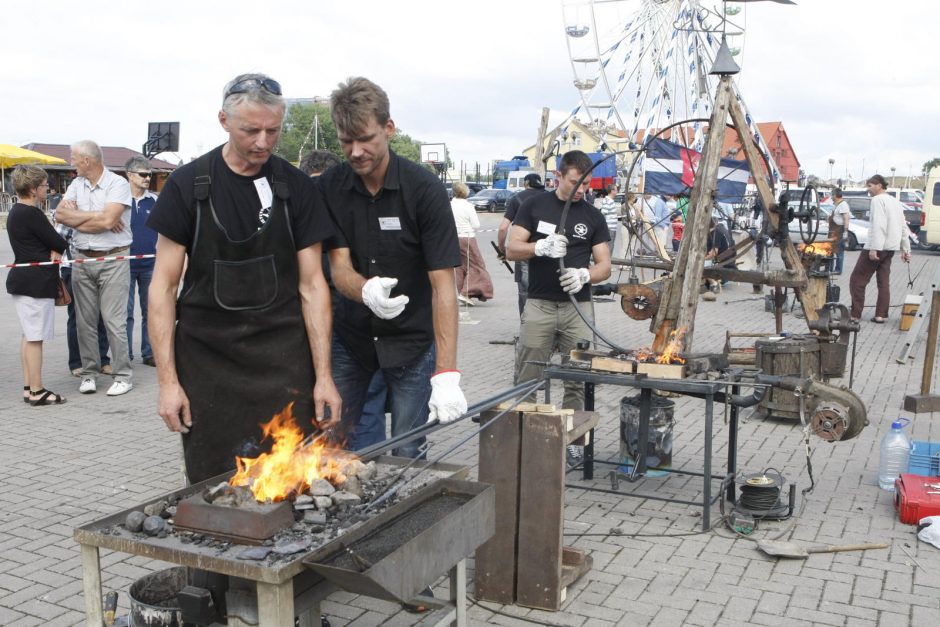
(46, 398)
(26, 394)
(878, 320)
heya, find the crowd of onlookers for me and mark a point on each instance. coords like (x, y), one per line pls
(101, 215)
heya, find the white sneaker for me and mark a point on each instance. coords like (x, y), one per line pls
(120, 387)
(88, 386)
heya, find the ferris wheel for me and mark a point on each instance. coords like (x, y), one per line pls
(643, 65)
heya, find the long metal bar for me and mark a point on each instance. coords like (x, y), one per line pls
(707, 487)
(418, 432)
(913, 334)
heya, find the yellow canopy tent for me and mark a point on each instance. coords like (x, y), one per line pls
(11, 155)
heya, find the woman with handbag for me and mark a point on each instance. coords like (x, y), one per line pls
(34, 288)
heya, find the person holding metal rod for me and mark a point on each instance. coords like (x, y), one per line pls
(550, 319)
(250, 332)
(392, 260)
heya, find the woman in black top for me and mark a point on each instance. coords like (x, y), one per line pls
(33, 288)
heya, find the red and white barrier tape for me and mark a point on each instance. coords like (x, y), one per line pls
(68, 262)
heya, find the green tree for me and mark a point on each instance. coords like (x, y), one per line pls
(933, 163)
(307, 126)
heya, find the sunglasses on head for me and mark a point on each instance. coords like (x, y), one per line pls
(268, 84)
(144, 175)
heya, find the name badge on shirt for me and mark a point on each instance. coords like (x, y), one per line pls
(544, 227)
(390, 224)
(265, 195)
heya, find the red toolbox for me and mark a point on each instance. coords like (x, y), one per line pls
(916, 497)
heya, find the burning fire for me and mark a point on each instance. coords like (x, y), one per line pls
(668, 356)
(817, 248)
(671, 354)
(292, 464)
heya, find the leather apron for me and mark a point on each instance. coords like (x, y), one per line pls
(242, 352)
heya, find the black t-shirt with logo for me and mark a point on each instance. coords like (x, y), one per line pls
(585, 227)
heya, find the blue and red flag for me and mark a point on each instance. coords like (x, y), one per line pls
(670, 169)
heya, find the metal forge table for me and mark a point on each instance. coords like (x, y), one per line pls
(287, 588)
(704, 389)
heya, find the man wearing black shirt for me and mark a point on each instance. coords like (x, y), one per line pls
(249, 333)
(533, 185)
(395, 232)
(549, 318)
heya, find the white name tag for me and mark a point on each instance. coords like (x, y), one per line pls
(546, 228)
(265, 195)
(390, 224)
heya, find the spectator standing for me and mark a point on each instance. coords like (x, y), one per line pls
(34, 289)
(839, 221)
(532, 184)
(677, 227)
(887, 234)
(654, 208)
(471, 276)
(97, 206)
(139, 173)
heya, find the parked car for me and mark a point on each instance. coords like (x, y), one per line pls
(491, 199)
(861, 208)
(474, 188)
(858, 226)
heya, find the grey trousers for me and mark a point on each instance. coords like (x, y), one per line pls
(545, 325)
(101, 288)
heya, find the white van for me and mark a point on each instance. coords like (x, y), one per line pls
(931, 206)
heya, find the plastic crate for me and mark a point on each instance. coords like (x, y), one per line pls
(925, 459)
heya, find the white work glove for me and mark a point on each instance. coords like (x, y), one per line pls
(447, 402)
(375, 296)
(573, 279)
(554, 245)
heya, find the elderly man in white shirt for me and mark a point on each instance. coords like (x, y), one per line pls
(97, 206)
(888, 234)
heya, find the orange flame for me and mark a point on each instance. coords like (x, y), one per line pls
(291, 465)
(670, 355)
(817, 248)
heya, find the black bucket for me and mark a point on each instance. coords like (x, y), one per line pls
(153, 599)
(659, 441)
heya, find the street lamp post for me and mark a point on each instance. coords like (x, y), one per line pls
(892, 176)
(832, 162)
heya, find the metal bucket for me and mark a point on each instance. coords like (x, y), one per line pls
(153, 598)
(795, 356)
(659, 440)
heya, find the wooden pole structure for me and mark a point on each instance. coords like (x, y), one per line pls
(681, 293)
(540, 147)
(791, 259)
(925, 401)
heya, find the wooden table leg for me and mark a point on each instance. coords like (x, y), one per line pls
(276, 604)
(458, 592)
(91, 584)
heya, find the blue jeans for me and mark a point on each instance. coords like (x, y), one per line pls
(142, 279)
(409, 390)
(71, 332)
(371, 427)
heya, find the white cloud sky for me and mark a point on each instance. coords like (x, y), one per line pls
(853, 81)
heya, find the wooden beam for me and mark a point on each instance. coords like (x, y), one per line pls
(791, 259)
(540, 148)
(680, 298)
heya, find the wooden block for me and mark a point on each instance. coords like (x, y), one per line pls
(580, 427)
(609, 364)
(661, 371)
(541, 511)
(499, 466)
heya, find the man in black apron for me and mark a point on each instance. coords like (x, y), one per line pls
(249, 332)
(392, 261)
